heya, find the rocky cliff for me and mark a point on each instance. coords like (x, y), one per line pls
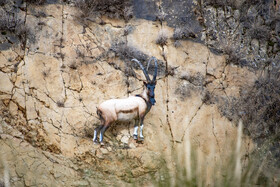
(57, 64)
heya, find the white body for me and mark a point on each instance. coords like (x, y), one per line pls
(127, 109)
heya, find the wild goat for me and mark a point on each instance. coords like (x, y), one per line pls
(134, 107)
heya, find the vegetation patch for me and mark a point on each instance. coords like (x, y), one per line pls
(162, 38)
(126, 53)
(36, 2)
(259, 108)
(181, 33)
(118, 9)
(10, 21)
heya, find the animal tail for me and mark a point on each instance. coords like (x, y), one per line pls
(99, 113)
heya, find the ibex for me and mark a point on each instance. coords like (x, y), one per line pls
(134, 107)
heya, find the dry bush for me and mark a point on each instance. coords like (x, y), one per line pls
(220, 3)
(9, 21)
(259, 32)
(60, 104)
(259, 106)
(183, 33)
(232, 3)
(3, 2)
(232, 56)
(127, 53)
(161, 16)
(162, 38)
(36, 2)
(177, 44)
(119, 9)
(73, 65)
(196, 79)
(127, 30)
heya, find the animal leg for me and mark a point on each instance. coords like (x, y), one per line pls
(103, 130)
(135, 133)
(141, 130)
(96, 130)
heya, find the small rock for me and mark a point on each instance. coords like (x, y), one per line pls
(95, 146)
(131, 145)
(125, 139)
(104, 151)
(99, 154)
(109, 149)
(81, 183)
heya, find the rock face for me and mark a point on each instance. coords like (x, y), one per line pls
(51, 85)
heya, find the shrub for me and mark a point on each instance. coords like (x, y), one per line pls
(36, 2)
(162, 38)
(9, 21)
(232, 3)
(73, 66)
(60, 104)
(232, 56)
(46, 73)
(259, 32)
(177, 44)
(119, 9)
(161, 16)
(126, 53)
(127, 30)
(259, 106)
(183, 33)
(260, 111)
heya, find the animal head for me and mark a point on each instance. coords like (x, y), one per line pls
(150, 87)
(150, 84)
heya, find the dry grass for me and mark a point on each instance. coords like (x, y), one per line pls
(192, 167)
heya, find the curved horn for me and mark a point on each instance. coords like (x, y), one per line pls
(143, 69)
(155, 73)
(147, 69)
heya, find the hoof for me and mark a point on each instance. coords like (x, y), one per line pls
(95, 142)
(102, 143)
(141, 139)
(135, 137)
